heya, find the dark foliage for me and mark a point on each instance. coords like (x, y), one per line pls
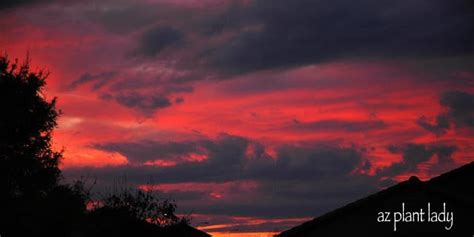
(28, 164)
(140, 205)
(33, 202)
(135, 212)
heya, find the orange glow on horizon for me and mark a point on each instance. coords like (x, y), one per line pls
(243, 234)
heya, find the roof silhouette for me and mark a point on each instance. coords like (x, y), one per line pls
(360, 217)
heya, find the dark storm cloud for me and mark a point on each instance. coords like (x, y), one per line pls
(312, 163)
(141, 102)
(338, 125)
(133, 91)
(460, 107)
(460, 112)
(124, 17)
(302, 32)
(8, 4)
(159, 82)
(143, 151)
(145, 103)
(415, 154)
(439, 127)
(154, 41)
(99, 79)
(228, 159)
(234, 18)
(180, 195)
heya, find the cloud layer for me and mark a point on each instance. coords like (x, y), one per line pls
(459, 112)
(295, 33)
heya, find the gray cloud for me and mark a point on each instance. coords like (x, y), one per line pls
(160, 81)
(141, 102)
(302, 32)
(133, 90)
(124, 17)
(9, 4)
(415, 154)
(460, 107)
(99, 79)
(439, 127)
(460, 112)
(234, 18)
(228, 159)
(139, 152)
(147, 104)
(154, 41)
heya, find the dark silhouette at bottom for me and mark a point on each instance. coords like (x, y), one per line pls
(375, 215)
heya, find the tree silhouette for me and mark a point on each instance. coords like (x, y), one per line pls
(32, 202)
(134, 212)
(28, 164)
(140, 205)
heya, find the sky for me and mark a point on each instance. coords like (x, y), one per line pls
(254, 115)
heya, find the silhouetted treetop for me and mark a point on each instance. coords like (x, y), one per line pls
(140, 205)
(28, 164)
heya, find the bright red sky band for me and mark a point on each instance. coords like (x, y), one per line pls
(375, 105)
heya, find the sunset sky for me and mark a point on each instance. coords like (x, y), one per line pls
(254, 115)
